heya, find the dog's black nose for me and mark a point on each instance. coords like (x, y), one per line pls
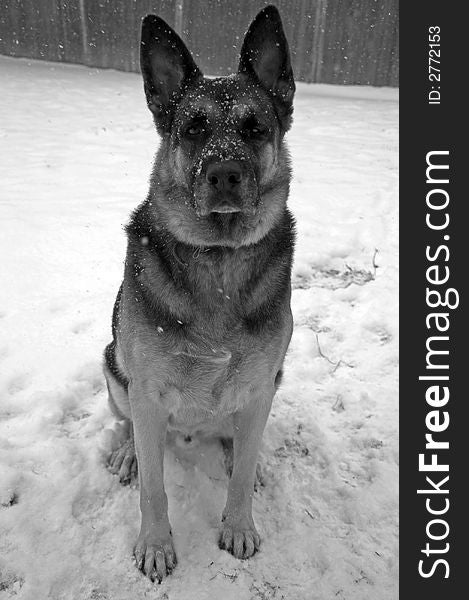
(224, 176)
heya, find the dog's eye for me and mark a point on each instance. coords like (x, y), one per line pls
(253, 129)
(194, 131)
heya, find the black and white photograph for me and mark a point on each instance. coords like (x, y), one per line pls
(199, 281)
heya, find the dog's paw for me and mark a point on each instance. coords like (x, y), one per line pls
(239, 537)
(123, 462)
(155, 557)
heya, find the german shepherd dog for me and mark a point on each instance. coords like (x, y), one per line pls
(202, 320)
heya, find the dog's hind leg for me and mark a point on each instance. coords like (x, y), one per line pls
(123, 461)
(228, 456)
(117, 384)
(227, 446)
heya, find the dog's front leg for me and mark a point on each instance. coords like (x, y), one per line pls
(154, 551)
(239, 535)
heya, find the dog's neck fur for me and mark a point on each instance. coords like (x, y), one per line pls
(186, 281)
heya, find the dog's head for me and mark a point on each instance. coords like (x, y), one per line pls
(222, 172)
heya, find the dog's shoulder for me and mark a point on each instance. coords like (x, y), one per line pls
(267, 295)
(152, 270)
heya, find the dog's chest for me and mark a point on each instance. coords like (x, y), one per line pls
(212, 383)
(210, 360)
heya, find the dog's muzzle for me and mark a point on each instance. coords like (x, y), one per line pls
(224, 179)
(225, 187)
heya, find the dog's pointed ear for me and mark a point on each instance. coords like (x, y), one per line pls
(265, 55)
(167, 68)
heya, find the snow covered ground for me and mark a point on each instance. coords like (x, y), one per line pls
(76, 147)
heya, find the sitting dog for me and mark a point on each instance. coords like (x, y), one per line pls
(202, 320)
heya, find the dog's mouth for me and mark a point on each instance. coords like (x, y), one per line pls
(229, 204)
(226, 207)
(207, 205)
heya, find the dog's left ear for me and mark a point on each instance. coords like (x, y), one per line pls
(265, 55)
(167, 68)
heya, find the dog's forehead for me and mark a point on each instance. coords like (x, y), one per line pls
(232, 96)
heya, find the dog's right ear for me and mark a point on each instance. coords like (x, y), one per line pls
(167, 68)
(266, 57)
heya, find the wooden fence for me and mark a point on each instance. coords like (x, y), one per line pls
(332, 41)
